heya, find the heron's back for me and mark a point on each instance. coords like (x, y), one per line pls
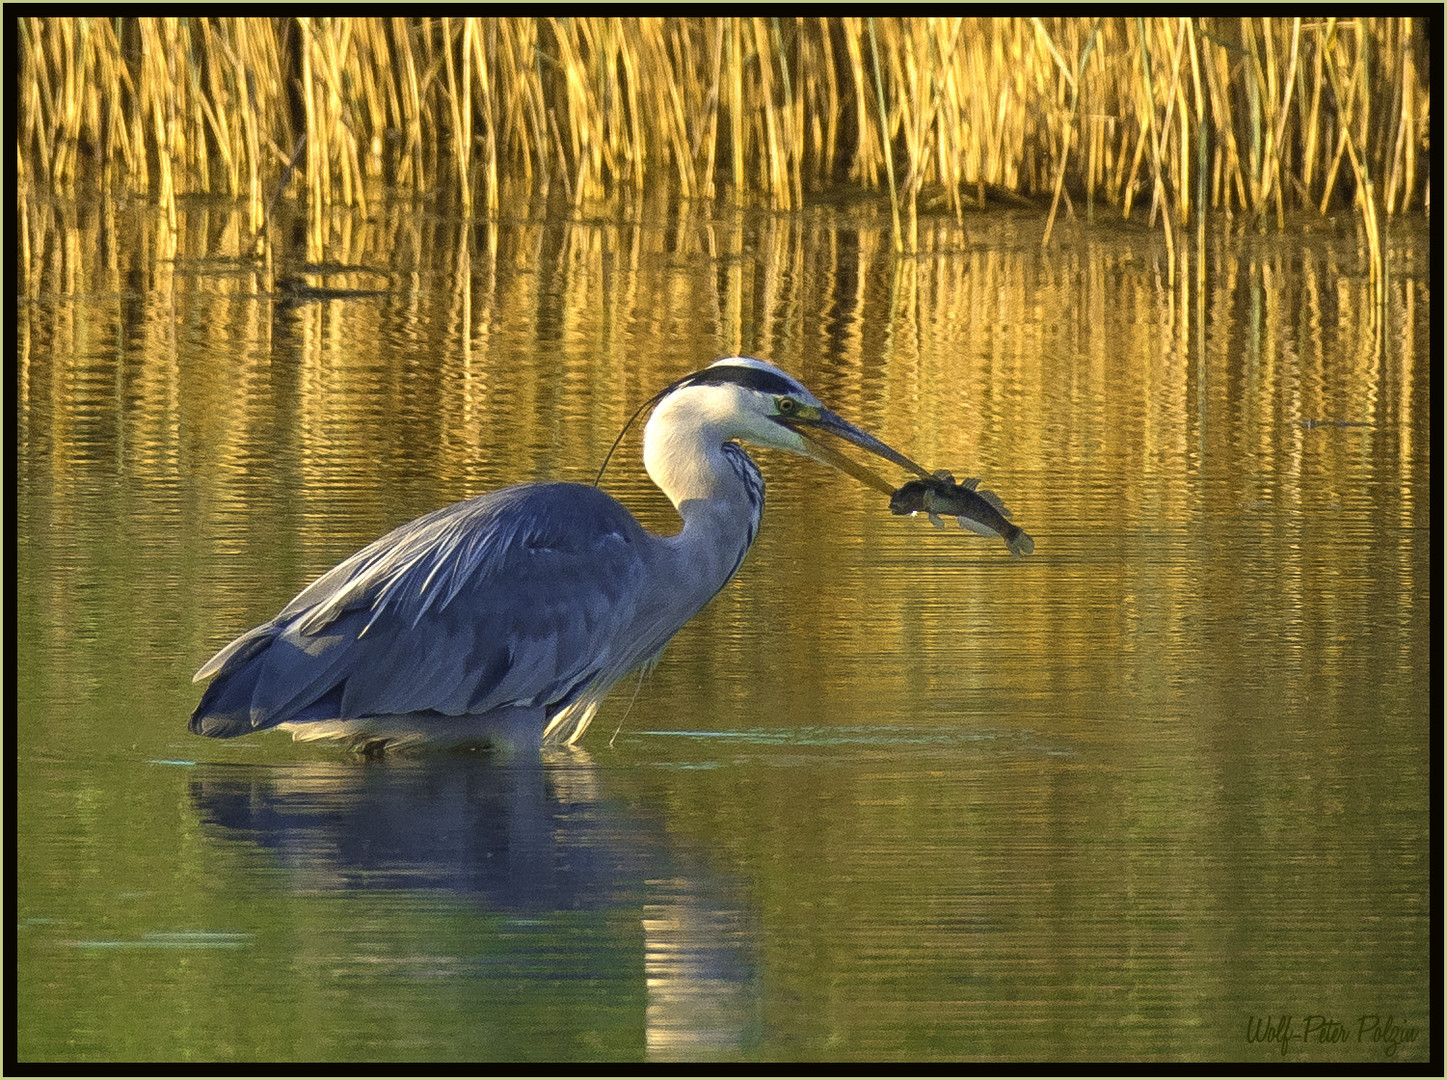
(520, 599)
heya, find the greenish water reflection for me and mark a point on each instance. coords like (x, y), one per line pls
(894, 795)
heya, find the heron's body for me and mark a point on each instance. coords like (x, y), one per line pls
(506, 618)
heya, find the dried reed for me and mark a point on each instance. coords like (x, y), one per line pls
(1242, 119)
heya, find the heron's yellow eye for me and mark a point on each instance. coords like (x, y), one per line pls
(786, 405)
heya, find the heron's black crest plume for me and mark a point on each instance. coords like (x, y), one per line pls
(654, 400)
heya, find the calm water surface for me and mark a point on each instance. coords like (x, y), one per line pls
(894, 795)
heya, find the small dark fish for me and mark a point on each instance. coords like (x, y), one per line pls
(978, 511)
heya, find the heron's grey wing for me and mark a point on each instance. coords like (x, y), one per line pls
(518, 597)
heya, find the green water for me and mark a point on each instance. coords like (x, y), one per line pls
(894, 795)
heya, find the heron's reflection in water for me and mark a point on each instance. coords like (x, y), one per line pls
(527, 838)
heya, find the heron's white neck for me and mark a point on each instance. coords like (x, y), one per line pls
(718, 492)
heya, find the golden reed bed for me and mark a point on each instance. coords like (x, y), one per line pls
(1166, 120)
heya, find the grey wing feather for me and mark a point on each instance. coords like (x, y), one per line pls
(515, 597)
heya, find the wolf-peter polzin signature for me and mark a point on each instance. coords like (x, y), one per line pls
(1317, 1029)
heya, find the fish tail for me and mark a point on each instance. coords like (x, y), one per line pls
(1019, 542)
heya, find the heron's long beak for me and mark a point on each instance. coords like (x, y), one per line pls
(810, 423)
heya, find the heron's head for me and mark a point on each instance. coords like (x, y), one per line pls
(755, 402)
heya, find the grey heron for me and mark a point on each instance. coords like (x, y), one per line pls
(506, 618)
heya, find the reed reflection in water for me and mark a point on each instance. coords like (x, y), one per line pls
(1169, 772)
